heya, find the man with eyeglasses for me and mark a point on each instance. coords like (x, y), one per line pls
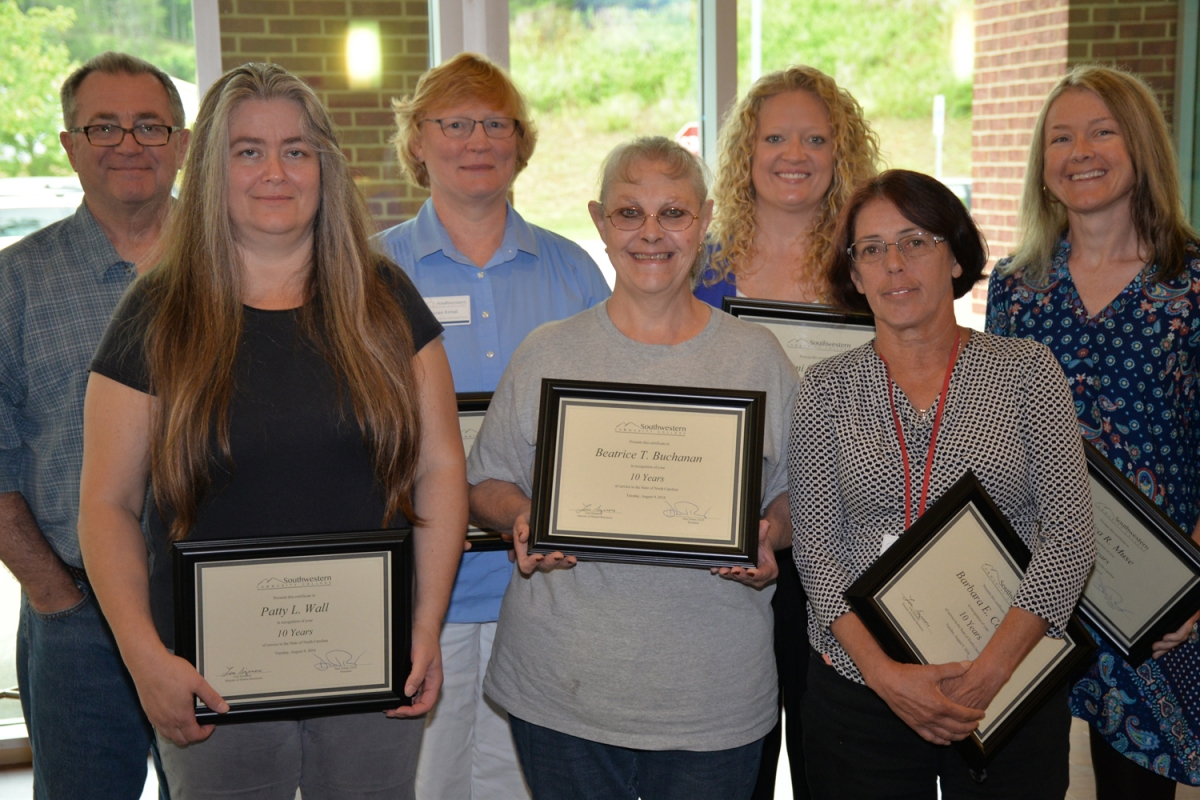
(58, 288)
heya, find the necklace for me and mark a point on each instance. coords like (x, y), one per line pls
(937, 424)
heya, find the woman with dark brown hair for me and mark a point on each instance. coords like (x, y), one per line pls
(943, 399)
(271, 375)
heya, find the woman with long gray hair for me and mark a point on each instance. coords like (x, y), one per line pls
(271, 375)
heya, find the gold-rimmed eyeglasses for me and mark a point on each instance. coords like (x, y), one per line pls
(669, 219)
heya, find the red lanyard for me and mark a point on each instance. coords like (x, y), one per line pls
(937, 424)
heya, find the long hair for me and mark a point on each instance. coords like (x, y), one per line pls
(1156, 207)
(855, 159)
(923, 201)
(195, 296)
(466, 77)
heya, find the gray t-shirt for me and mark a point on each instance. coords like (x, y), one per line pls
(647, 657)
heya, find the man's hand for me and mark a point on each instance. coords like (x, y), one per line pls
(27, 554)
(55, 594)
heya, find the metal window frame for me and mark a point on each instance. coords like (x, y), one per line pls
(718, 70)
(1187, 106)
(206, 28)
(477, 26)
(481, 26)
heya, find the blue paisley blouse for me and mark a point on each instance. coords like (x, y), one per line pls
(1132, 370)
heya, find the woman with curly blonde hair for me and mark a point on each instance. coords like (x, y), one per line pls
(791, 152)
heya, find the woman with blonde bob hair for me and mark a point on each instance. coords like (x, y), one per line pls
(1107, 275)
(271, 375)
(465, 134)
(791, 152)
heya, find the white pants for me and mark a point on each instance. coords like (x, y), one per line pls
(468, 751)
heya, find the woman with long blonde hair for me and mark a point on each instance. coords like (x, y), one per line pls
(272, 375)
(791, 152)
(1107, 275)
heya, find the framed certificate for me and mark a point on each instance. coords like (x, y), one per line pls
(472, 407)
(292, 627)
(938, 594)
(1146, 580)
(648, 474)
(809, 333)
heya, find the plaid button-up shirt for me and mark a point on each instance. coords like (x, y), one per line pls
(58, 289)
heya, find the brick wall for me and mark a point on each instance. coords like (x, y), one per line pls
(1137, 36)
(308, 38)
(1022, 47)
(1020, 52)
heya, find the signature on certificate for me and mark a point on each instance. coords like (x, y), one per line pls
(688, 512)
(242, 673)
(594, 510)
(917, 614)
(339, 660)
(1115, 600)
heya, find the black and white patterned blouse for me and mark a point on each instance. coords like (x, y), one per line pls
(1008, 417)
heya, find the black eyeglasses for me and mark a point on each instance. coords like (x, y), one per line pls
(113, 135)
(463, 127)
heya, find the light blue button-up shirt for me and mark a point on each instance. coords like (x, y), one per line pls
(58, 289)
(534, 277)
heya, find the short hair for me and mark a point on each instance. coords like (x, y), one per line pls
(676, 161)
(1156, 205)
(927, 203)
(672, 158)
(855, 158)
(467, 76)
(112, 63)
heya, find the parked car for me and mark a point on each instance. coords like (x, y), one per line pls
(30, 204)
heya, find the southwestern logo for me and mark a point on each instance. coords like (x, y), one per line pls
(295, 583)
(657, 430)
(805, 343)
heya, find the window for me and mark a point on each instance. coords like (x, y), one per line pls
(596, 74)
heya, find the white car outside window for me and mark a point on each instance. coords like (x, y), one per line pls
(30, 204)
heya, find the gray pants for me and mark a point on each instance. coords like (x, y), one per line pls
(353, 757)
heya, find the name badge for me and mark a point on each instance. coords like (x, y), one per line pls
(451, 309)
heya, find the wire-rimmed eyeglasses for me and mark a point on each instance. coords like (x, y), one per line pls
(917, 245)
(669, 219)
(463, 127)
(112, 135)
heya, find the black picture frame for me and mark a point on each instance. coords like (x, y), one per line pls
(741, 549)
(1184, 601)
(811, 316)
(966, 496)
(475, 404)
(192, 557)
